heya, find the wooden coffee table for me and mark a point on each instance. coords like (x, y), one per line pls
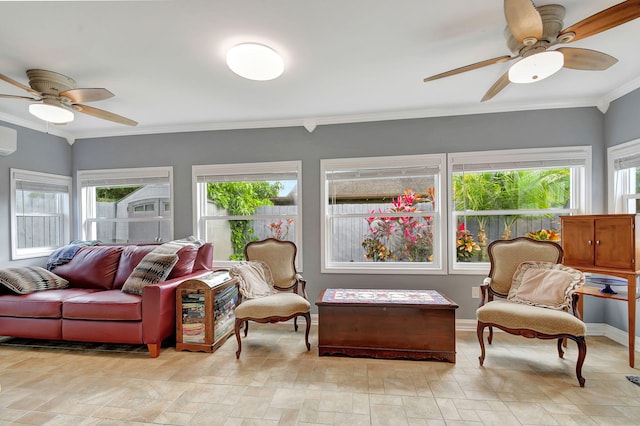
(410, 324)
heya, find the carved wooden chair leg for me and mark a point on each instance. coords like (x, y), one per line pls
(307, 316)
(490, 338)
(582, 353)
(237, 331)
(246, 328)
(560, 350)
(479, 332)
(295, 323)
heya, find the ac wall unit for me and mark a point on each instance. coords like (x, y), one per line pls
(8, 140)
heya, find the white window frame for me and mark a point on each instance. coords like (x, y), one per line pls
(64, 211)
(438, 266)
(621, 184)
(513, 159)
(88, 221)
(235, 172)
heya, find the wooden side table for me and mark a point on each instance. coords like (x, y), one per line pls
(205, 311)
(631, 297)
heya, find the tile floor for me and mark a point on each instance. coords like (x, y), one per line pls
(276, 382)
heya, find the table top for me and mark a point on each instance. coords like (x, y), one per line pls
(384, 297)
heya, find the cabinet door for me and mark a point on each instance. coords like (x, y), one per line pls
(578, 241)
(614, 242)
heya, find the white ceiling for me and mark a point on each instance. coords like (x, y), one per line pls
(346, 61)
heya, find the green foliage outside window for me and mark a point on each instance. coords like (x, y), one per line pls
(510, 190)
(242, 199)
(116, 193)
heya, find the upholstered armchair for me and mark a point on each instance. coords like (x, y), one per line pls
(270, 287)
(529, 293)
(280, 256)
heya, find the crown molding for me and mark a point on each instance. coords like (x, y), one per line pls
(310, 123)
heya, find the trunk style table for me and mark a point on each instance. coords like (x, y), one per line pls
(411, 324)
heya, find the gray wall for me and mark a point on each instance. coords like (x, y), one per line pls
(622, 124)
(530, 129)
(527, 129)
(622, 120)
(35, 151)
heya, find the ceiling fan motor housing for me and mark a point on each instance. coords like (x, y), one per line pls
(49, 82)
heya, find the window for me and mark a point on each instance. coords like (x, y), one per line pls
(383, 214)
(40, 213)
(126, 205)
(508, 194)
(238, 203)
(624, 177)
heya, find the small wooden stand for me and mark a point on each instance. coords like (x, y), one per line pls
(205, 312)
(607, 244)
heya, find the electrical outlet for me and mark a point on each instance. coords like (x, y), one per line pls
(475, 292)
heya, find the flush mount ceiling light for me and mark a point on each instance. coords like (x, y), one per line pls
(536, 67)
(52, 111)
(255, 61)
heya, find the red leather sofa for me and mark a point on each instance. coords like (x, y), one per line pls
(94, 309)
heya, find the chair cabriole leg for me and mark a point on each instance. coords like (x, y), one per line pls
(479, 332)
(582, 354)
(560, 350)
(237, 332)
(307, 316)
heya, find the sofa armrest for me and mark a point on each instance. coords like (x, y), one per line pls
(159, 308)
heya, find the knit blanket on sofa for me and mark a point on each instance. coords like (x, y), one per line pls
(65, 253)
(172, 247)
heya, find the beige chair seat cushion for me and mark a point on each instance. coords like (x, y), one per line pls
(275, 305)
(520, 316)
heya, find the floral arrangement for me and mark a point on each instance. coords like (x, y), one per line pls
(400, 238)
(466, 247)
(280, 228)
(544, 235)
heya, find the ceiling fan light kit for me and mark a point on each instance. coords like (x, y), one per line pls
(255, 61)
(536, 67)
(533, 30)
(51, 111)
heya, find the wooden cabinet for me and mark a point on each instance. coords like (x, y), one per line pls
(601, 241)
(205, 311)
(610, 245)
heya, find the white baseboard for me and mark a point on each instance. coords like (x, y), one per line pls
(593, 329)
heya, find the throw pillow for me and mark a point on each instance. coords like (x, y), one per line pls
(28, 279)
(545, 284)
(254, 279)
(152, 269)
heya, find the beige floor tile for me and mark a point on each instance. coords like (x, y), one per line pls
(277, 382)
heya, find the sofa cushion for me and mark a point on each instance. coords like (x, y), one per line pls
(41, 304)
(105, 305)
(152, 269)
(29, 279)
(133, 254)
(92, 267)
(204, 258)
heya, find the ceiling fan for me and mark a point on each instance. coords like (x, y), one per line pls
(56, 97)
(531, 32)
